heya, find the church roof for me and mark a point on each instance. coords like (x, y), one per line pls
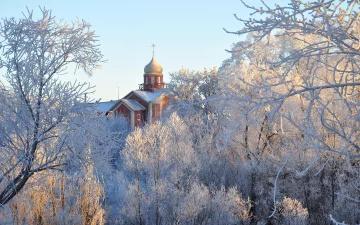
(132, 104)
(153, 67)
(148, 96)
(104, 107)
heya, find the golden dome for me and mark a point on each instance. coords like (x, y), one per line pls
(153, 67)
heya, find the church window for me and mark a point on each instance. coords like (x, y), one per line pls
(146, 80)
(159, 80)
(152, 80)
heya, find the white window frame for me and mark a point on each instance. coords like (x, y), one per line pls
(138, 116)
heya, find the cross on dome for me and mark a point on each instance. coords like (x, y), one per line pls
(153, 67)
(153, 46)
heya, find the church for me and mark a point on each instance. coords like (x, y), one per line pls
(141, 106)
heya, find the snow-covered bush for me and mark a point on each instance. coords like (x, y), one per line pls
(162, 172)
(291, 211)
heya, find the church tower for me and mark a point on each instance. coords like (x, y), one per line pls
(142, 106)
(153, 75)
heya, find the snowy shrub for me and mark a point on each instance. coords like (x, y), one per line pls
(292, 212)
(57, 199)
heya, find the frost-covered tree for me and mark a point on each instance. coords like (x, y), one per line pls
(40, 115)
(60, 198)
(321, 67)
(160, 164)
(307, 87)
(191, 90)
(164, 180)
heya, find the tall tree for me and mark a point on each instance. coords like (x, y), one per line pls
(39, 113)
(313, 83)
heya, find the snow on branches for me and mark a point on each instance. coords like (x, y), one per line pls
(39, 113)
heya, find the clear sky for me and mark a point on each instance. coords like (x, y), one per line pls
(187, 33)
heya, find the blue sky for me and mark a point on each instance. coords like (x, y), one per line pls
(187, 33)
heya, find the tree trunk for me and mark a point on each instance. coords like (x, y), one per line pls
(253, 198)
(138, 194)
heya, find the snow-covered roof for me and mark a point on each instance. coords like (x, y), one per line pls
(132, 104)
(104, 107)
(148, 96)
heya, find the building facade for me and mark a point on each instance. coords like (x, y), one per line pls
(144, 105)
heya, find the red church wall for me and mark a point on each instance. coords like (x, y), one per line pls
(123, 110)
(139, 118)
(144, 116)
(155, 112)
(158, 82)
(144, 112)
